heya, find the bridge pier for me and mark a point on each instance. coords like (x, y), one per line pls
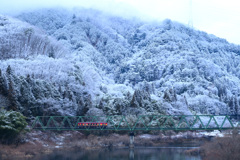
(131, 144)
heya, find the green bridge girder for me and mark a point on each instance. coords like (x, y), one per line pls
(138, 123)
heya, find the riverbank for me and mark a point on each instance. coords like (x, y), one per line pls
(37, 143)
(220, 147)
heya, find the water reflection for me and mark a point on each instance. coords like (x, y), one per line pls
(170, 153)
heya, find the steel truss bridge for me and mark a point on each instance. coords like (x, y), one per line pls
(138, 123)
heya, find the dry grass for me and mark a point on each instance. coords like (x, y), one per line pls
(23, 151)
(225, 148)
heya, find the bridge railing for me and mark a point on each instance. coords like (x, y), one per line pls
(134, 123)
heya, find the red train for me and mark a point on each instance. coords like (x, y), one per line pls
(92, 124)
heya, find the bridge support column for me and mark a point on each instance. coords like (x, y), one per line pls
(131, 144)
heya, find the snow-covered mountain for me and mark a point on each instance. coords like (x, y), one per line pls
(85, 62)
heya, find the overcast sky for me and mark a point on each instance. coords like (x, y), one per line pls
(218, 17)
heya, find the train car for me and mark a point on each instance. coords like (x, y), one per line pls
(92, 125)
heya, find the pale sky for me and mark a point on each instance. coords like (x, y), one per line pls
(218, 17)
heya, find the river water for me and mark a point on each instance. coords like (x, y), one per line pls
(140, 153)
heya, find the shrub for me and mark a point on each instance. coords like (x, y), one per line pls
(223, 148)
(12, 123)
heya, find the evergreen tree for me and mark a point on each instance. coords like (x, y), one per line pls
(174, 95)
(186, 101)
(134, 103)
(74, 16)
(101, 104)
(172, 69)
(51, 53)
(146, 87)
(231, 105)
(60, 90)
(28, 78)
(236, 105)
(12, 97)
(11, 124)
(2, 85)
(9, 70)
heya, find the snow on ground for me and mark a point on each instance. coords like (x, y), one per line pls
(215, 133)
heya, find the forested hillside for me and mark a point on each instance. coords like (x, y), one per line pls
(85, 62)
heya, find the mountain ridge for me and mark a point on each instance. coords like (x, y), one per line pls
(110, 65)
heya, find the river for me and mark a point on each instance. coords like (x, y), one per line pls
(139, 153)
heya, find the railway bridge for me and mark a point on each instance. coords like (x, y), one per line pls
(133, 123)
(137, 123)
